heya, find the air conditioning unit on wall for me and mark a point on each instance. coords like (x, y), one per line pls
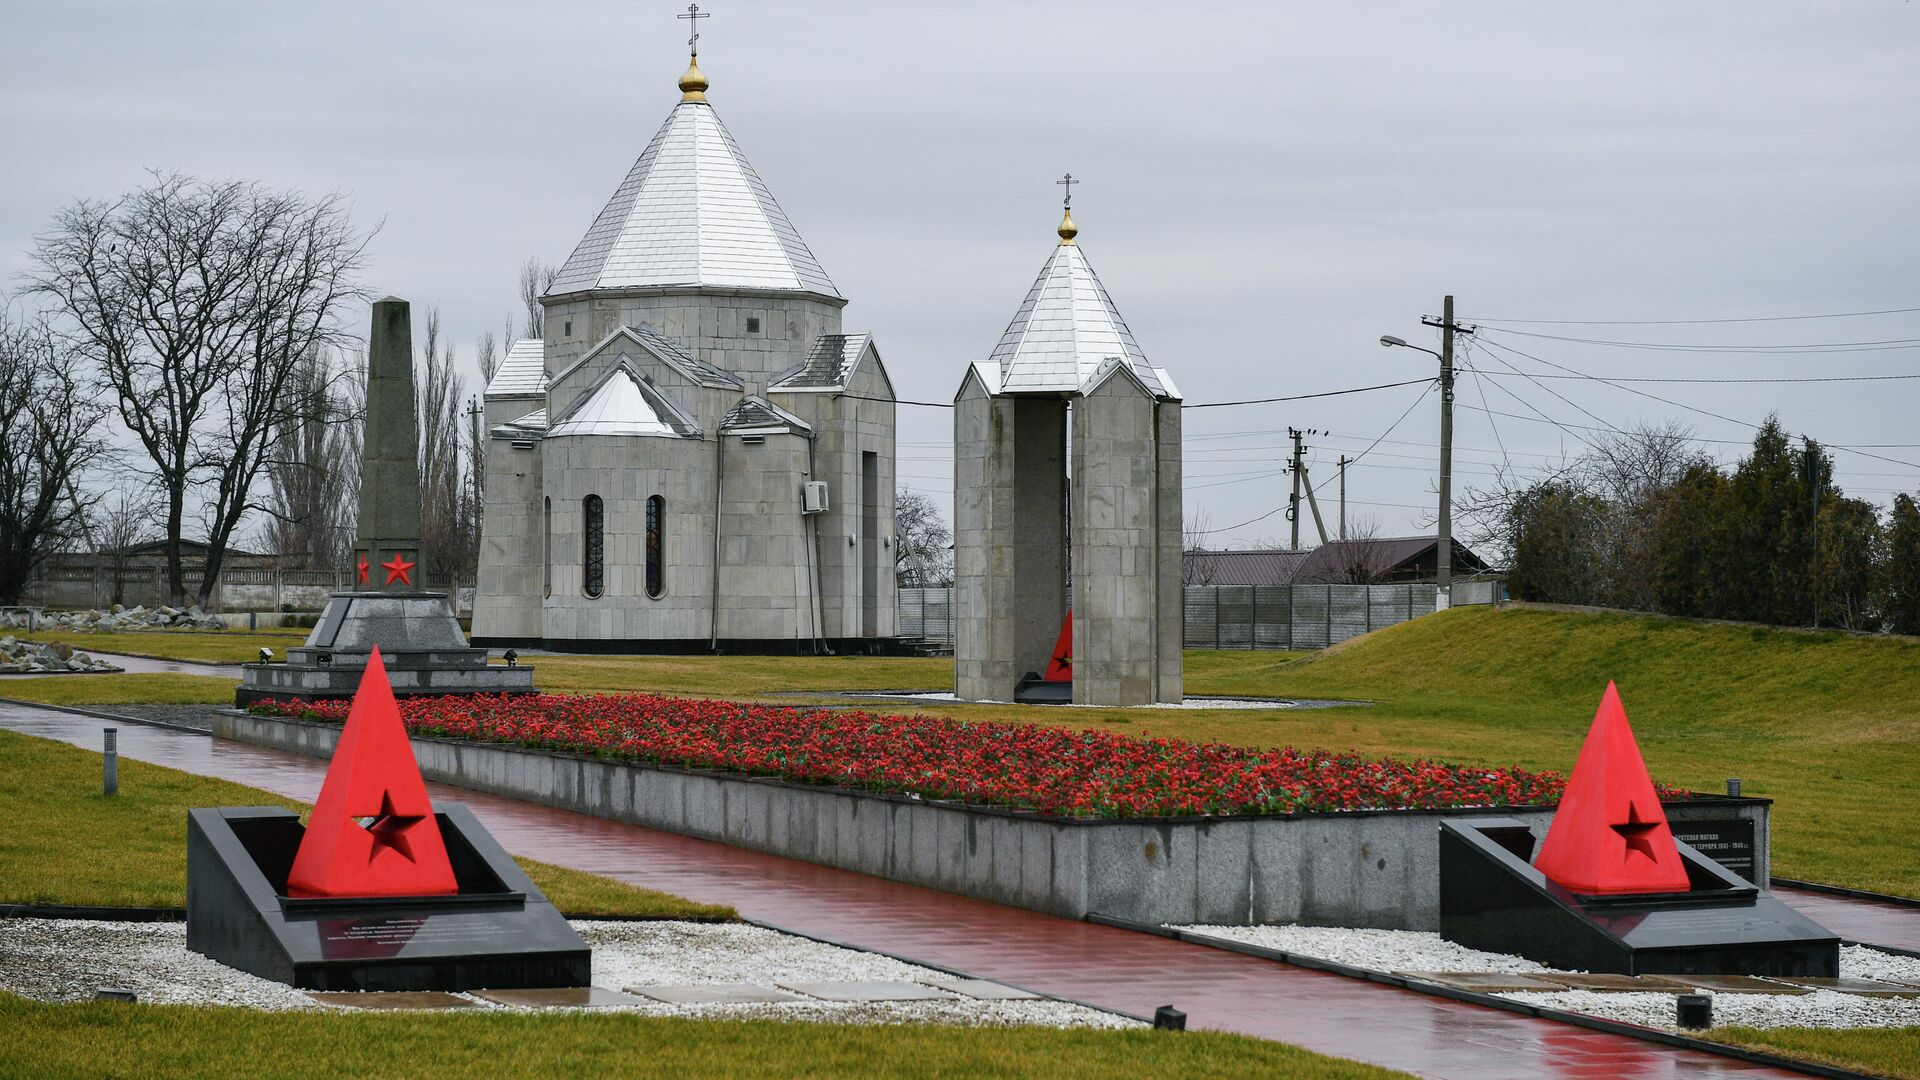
(813, 497)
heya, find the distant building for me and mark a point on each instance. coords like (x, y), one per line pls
(1372, 561)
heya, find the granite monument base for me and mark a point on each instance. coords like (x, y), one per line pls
(419, 637)
(1491, 898)
(497, 932)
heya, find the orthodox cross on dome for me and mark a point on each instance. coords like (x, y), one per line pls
(1068, 230)
(693, 17)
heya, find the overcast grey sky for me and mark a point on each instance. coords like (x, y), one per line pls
(1267, 187)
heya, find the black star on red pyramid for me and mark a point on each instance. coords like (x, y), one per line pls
(389, 831)
(1637, 833)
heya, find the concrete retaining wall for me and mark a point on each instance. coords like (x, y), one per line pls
(1373, 869)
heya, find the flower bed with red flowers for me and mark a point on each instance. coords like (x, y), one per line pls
(1052, 770)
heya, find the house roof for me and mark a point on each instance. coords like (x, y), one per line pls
(692, 212)
(1262, 567)
(1065, 330)
(522, 372)
(1335, 560)
(624, 403)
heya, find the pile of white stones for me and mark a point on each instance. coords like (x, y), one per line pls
(31, 657)
(121, 617)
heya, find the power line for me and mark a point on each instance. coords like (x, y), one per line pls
(1184, 405)
(1697, 322)
(1617, 379)
(1808, 348)
(1689, 408)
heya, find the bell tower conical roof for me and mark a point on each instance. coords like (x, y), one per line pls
(1068, 329)
(693, 213)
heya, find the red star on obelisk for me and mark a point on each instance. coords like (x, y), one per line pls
(363, 569)
(397, 570)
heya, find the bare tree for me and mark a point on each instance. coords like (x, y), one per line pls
(1193, 539)
(195, 301)
(49, 436)
(536, 278)
(312, 484)
(1360, 559)
(922, 542)
(124, 518)
(487, 352)
(446, 506)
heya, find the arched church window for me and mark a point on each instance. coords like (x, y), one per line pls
(546, 546)
(656, 546)
(594, 579)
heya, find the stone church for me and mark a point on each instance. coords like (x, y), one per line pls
(696, 455)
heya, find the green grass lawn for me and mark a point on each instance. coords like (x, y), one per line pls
(63, 842)
(1880, 1051)
(1828, 725)
(135, 689)
(170, 1041)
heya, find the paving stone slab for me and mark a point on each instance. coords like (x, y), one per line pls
(1849, 985)
(865, 991)
(411, 1000)
(713, 994)
(1735, 984)
(561, 997)
(983, 989)
(1485, 982)
(1607, 983)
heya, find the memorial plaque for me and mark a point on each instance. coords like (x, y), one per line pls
(1727, 841)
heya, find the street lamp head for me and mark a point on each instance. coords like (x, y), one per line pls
(1389, 341)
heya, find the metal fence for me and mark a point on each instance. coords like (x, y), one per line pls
(927, 614)
(1234, 616)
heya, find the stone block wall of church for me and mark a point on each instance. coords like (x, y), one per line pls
(764, 542)
(507, 601)
(711, 327)
(624, 471)
(847, 427)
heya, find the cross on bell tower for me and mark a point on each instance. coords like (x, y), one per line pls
(1068, 230)
(693, 17)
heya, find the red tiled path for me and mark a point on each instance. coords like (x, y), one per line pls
(1116, 969)
(1858, 920)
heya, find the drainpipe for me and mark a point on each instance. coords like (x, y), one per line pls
(812, 540)
(719, 480)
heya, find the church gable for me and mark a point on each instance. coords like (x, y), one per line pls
(666, 367)
(624, 402)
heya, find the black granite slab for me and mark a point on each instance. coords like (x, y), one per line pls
(497, 932)
(1491, 898)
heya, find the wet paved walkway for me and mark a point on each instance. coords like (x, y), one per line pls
(1858, 920)
(1115, 969)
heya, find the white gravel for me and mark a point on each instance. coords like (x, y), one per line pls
(1412, 950)
(69, 959)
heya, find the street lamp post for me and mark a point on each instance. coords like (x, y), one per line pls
(1443, 548)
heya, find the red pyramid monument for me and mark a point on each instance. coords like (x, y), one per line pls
(1610, 835)
(1060, 668)
(373, 832)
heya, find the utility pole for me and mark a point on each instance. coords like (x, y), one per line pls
(1293, 502)
(1343, 496)
(1443, 553)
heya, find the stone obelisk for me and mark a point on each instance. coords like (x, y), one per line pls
(386, 548)
(418, 635)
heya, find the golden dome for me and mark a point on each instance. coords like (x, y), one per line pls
(1068, 230)
(693, 85)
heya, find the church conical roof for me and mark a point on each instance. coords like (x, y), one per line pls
(1066, 330)
(692, 212)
